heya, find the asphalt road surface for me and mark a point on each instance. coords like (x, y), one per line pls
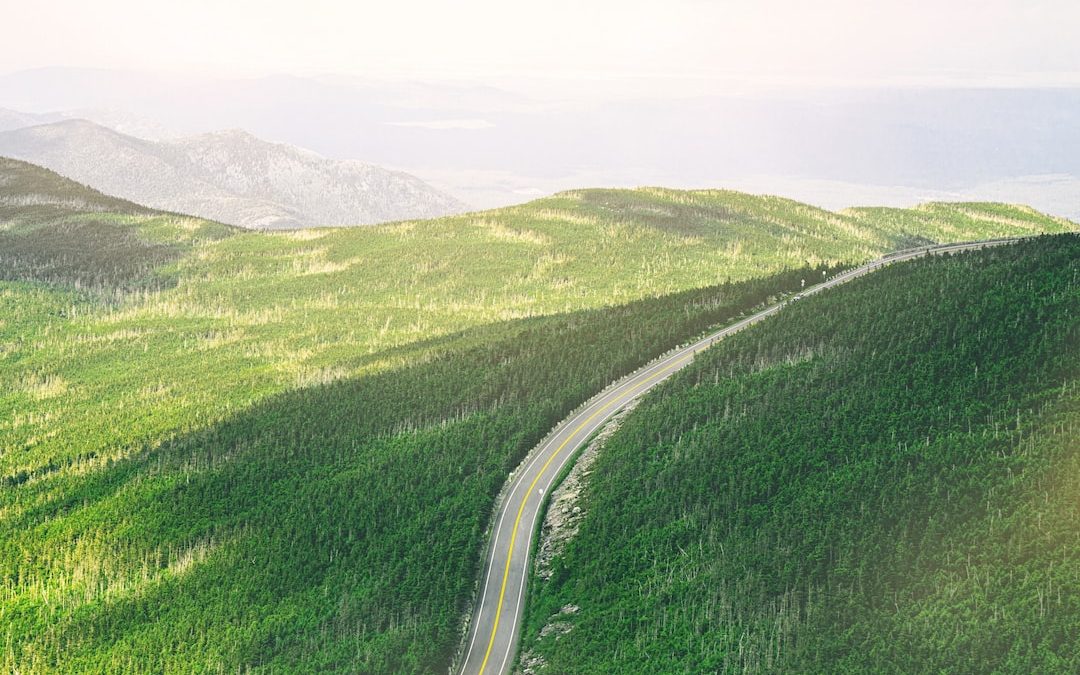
(495, 623)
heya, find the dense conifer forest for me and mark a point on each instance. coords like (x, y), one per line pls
(882, 479)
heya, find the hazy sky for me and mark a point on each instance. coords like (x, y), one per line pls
(775, 41)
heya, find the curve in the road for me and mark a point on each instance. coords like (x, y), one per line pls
(496, 618)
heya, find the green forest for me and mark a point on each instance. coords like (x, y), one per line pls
(883, 478)
(227, 450)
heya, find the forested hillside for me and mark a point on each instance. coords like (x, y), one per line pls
(883, 478)
(222, 449)
(336, 526)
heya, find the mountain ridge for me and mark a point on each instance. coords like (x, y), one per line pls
(230, 176)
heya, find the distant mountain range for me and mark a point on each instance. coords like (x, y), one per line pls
(513, 140)
(13, 119)
(229, 176)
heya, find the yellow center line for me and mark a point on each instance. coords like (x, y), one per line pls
(521, 509)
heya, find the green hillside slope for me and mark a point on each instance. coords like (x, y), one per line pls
(222, 449)
(332, 527)
(56, 230)
(882, 479)
(937, 221)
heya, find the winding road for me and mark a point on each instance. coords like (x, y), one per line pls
(495, 622)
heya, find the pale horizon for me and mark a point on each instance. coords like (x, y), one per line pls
(780, 43)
